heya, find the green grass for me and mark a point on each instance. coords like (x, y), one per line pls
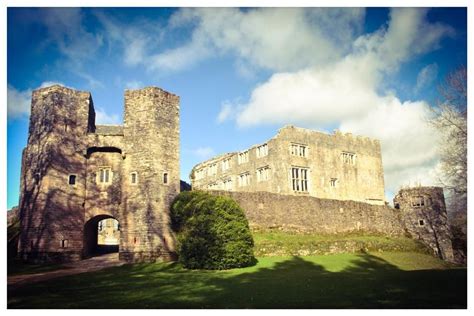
(277, 243)
(364, 280)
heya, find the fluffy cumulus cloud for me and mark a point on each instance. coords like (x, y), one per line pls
(271, 38)
(408, 143)
(346, 92)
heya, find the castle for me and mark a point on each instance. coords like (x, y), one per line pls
(299, 161)
(76, 174)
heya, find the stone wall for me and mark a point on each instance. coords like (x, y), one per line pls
(266, 210)
(424, 216)
(51, 210)
(329, 175)
(151, 135)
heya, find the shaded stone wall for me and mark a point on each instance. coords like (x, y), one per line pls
(151, 136)
(51, 211)
(424, 215)
(361, 180)
(266, 210)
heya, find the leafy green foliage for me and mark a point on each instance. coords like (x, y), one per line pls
(212, 232)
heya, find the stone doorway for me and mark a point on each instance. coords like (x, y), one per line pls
(101, 236)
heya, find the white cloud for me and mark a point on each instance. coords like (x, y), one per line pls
(66, 30)
(272, 38)
(315, 96)
(18, 102)
(179, 58)
(203, 152)
(134, 84)
(137, 40)
(426, 76)
(408, 142)
(346, 92)
(102, 117)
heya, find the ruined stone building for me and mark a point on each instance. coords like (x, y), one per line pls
(424, 217)
(76, 174)
(302, 162)
(84, 186)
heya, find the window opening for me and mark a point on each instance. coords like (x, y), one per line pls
(72, 179)
(299, 177)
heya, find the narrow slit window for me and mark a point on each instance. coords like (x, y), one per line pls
(72, 179)
(133, 178)
(165, 178)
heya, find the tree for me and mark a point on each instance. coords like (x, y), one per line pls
(451, 122)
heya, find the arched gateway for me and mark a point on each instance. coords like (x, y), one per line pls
(101, 235)
(76, 174)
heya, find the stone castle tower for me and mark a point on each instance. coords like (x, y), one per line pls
(76, 173)
(423, 212)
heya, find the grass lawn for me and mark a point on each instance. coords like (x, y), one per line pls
(278, 243)
(364, 280)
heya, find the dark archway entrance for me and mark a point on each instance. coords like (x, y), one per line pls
(101, 235)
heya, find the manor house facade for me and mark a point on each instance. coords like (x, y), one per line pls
(300, 161)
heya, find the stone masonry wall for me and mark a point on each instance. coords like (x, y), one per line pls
(424, 215)
(266, 210)
(51, 210)
(151, 136)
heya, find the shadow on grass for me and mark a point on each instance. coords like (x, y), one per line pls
(17, 267)
(368, 282)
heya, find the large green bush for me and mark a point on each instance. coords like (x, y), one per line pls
(212, 232)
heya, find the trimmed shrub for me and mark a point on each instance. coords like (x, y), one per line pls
(212, 232)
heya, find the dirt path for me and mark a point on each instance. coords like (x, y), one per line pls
(92, 264)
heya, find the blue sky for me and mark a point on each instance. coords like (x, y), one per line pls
(244, 73)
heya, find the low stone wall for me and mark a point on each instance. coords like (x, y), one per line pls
(266, 210)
